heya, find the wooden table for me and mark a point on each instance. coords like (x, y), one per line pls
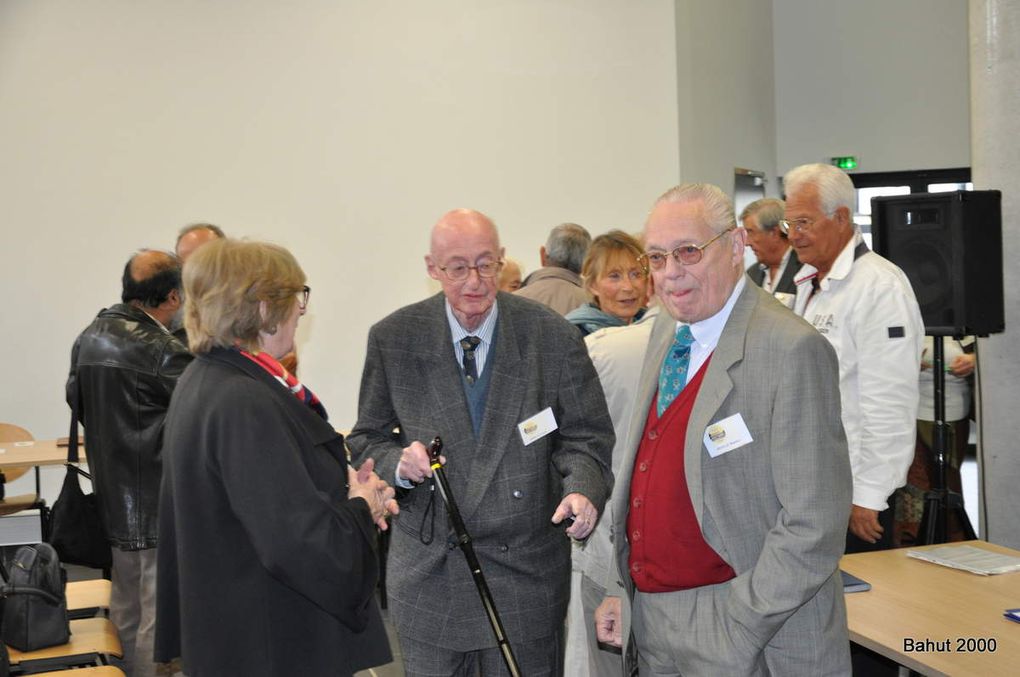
(932, 619)
(34, 453)
(15, 529)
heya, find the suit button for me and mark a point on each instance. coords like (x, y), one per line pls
(653, 434)
(643, 467)
(504, 547)
(636, 567)
(637, 502)
(635, 536)
(518, 493)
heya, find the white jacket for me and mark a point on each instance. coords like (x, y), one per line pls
(866, 308)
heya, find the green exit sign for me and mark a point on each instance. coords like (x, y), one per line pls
(845, 162)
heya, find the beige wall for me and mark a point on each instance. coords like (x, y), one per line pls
(339, 129)
(885, 80)
(725, 105)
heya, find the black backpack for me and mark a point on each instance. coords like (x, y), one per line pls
(34, 610)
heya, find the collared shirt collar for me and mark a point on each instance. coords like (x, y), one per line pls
(484, 331)
(845, 261)
(158, 323)
(707, 332)
(840, 267)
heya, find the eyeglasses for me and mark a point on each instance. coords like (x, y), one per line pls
(685, 255)
(460, 270)
(305, 292)
(798, 225)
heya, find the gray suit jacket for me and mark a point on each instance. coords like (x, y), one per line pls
(775, 509)
(506, 491)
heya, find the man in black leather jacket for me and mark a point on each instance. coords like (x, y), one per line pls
(124, 367)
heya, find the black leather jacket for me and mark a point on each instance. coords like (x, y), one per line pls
(124, 367)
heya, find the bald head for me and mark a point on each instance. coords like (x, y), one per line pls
(194, 236)
(459, 224)
(466, 240)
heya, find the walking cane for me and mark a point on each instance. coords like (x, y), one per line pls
(464, 541)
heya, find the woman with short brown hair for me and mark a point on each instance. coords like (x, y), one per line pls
(267, 562)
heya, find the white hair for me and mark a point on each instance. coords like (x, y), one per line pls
(717, 205)
(835, 189)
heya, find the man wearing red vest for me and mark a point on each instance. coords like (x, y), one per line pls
(731, 505)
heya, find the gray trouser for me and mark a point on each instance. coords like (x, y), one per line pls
(133, 608)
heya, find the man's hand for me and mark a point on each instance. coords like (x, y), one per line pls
(962, 365)
(864, 524)
(414, 464)
(580, 508)
(609, 622)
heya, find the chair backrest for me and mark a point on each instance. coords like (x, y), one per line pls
(14, 433)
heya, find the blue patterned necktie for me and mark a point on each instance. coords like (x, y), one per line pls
(673, 376)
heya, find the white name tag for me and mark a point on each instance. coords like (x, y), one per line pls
(786, 299)
(726, 435)
(538, 426)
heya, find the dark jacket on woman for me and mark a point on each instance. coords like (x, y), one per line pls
(265, 566)
(124, 367)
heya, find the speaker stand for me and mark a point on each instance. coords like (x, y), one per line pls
(941, 504)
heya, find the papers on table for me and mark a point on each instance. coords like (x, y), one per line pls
(968, 558)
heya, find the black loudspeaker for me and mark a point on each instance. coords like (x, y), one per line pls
(950, 247)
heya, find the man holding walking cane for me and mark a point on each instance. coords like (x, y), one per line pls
(508, 385)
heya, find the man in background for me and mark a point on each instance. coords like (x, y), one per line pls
(124, 368)
(508, 386)
(865, 307)
(557, 283)
(510, 275)
(777, 261)
(188, 240)
(194, 236)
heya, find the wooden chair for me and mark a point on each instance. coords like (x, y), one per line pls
(86, 599)
(10, 433)
(93, 641)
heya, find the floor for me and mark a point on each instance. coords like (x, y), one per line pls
(394, 669)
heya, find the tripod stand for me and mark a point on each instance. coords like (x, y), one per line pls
(941, 504)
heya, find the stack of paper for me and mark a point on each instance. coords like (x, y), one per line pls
(968, 558)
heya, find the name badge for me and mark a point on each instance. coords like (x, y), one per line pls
(538, 426)
(786, 299)
(726, 435)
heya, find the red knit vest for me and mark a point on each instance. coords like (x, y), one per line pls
(667, 549)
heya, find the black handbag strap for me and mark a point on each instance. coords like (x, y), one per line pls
(72, 439)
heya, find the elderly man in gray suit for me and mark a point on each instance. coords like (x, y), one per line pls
(508, 385)
(730, 509)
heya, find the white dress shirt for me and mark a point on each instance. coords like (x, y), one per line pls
(866, 308)
(707, 332)
(769, 283)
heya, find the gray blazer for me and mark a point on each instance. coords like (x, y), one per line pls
(506, 492)
(777, 508)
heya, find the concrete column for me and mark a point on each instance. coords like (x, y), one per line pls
(995, 158)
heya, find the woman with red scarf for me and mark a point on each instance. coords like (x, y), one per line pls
(267, 562)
